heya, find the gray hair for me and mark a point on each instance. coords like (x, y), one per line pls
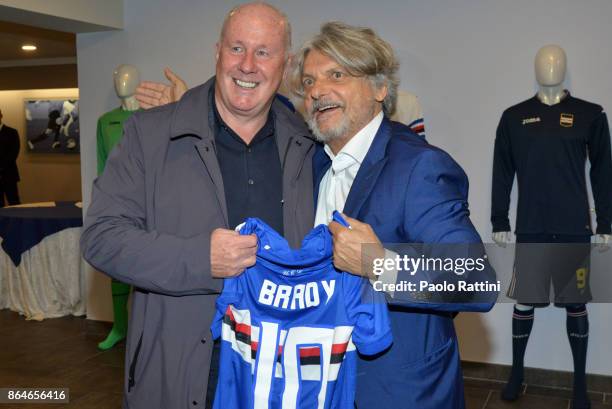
(360, 51)
(283, 17)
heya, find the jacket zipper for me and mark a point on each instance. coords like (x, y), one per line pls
(131, 381)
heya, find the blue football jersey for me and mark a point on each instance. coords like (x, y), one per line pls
(291, 326)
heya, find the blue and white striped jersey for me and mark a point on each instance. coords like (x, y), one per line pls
(291, 324)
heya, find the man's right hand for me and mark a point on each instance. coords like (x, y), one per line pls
(231, 253)
(152, 94)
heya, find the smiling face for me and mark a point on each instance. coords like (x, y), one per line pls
(251, 59)
(337, 104)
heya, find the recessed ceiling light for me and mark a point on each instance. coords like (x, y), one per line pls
(28, 47)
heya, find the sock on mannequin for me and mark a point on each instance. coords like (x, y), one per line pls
(522, 322)
(578, 335)
(121, 293)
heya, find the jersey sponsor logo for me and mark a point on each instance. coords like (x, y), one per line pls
(531, 120)
(567, 120)
(300, 296)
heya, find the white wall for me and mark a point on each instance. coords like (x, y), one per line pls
(467, 61)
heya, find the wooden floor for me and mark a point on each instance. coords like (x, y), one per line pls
(62, 353)
(484, 394)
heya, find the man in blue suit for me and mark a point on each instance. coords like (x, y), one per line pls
(396, 188)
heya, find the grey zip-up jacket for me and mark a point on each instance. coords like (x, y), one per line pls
(149, 224)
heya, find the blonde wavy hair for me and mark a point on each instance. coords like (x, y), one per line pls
(359, 50)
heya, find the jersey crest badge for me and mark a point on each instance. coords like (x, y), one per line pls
(567, 120)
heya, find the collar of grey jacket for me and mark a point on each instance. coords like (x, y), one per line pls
(191, 117)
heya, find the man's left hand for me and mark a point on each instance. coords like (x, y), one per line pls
(355, 248)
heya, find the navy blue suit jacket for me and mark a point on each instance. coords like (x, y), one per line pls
(411, 192)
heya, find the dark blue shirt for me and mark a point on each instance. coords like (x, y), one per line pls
(252, 174)
(546, 147)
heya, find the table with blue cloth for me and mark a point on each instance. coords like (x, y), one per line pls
(42, 274)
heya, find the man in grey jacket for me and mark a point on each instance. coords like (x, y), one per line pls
(162, 212)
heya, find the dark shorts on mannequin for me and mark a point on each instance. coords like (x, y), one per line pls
(542, 259)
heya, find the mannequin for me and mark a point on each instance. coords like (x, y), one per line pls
(110, 130)
(126, 78)
(544, 141)
(550, 69)
(409, 112)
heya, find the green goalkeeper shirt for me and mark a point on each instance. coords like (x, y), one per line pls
(110, 130)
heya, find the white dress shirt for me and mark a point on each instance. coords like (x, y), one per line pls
(338, 179)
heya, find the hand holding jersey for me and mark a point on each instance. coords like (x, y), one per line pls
(350, 254)
(231, 253)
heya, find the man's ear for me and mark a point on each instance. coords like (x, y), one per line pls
(381, 93)
(217, 51)
(287, 68)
